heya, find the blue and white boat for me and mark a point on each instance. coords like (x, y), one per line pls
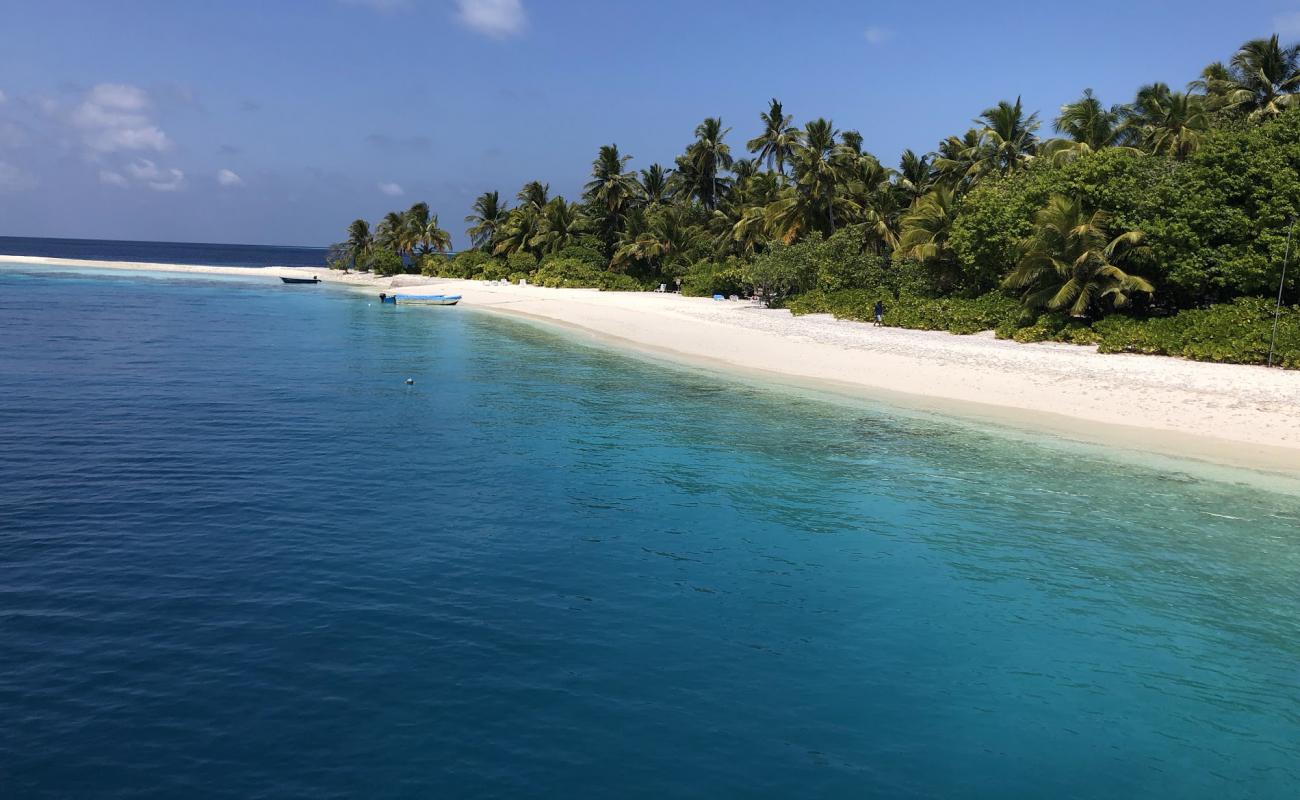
(429, 299)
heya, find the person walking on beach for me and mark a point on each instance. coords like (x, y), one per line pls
(880, 314)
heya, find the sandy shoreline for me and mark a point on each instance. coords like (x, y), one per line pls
(1234, 415)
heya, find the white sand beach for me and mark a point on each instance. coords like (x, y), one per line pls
(1236, 415)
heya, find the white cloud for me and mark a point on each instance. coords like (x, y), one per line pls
(3, 96)
(229, 178)
(114, 117)
(1287, 24)
(877, 35)
(499, 19)
(15, 179)
(156, 178)
(391, 189)
(111, 178)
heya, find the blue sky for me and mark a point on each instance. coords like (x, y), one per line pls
(279, 122)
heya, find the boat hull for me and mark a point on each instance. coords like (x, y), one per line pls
(299, 280)
(428, 299)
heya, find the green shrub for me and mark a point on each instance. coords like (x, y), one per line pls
(706, 278)
(568, 273)
(1237, 333)
(617, 282)
(465, 265)
(579, 252)
(953, 314)
(385, 263)
(433, 264)
(516, 277)
(519, 262)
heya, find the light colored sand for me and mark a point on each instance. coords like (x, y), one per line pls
(1229, 414)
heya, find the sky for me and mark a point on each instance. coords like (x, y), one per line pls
(280, 121)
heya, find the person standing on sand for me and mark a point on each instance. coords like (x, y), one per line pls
(880, 314)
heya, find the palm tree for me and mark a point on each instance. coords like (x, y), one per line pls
(561, 225)
(488, 216)
(667, 238)
(1087, 122)
(820, 166)
(421, 234)
(1215, 85)
(1069, 262)
(958, 160)
(1263, 78)
(432, 238)
(915, 176)
(869, 199)
(390, 233)
(612, 191)
(535, 194)
(926, 228)
(709, 156)
(654, 184)
(1009, 140)
(777, 141)
(1167, 122)
(359, 242)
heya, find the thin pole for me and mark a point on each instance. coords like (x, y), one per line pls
(1277, 312)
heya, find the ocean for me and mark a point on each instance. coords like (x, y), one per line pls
(214, 255)
(241, 557)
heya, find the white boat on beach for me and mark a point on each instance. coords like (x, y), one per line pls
(428, 299)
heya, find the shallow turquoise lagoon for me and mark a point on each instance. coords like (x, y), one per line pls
(240, 557)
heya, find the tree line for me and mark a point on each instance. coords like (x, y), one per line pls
(1176, 199)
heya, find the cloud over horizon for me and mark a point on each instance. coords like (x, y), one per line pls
(156, 178)
(114, 117)
(392, 189)
(229, 178)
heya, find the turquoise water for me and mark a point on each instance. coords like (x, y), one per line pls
(240, 557)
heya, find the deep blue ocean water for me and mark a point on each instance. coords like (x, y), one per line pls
(217, 255)
(240, 557)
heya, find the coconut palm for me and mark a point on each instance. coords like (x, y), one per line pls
(390, 233)
(654, 184)
(1009, 142)
(926, 227)
(611, 192)
(421, 233)
(667, 239)
(1070, 261)
(535, 194)
(957, 162)
(1263, 78)
(561, 224)
(1087, 122)
(488, 216)
(709, 155)
(433, 239)
(852, 141)
(1215, 85)
(359, 242)
(868, 199)
(1167, 122)
(915, 176)
(819, 168)
(777, 141)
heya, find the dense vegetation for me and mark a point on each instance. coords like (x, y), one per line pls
(1158, 225)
